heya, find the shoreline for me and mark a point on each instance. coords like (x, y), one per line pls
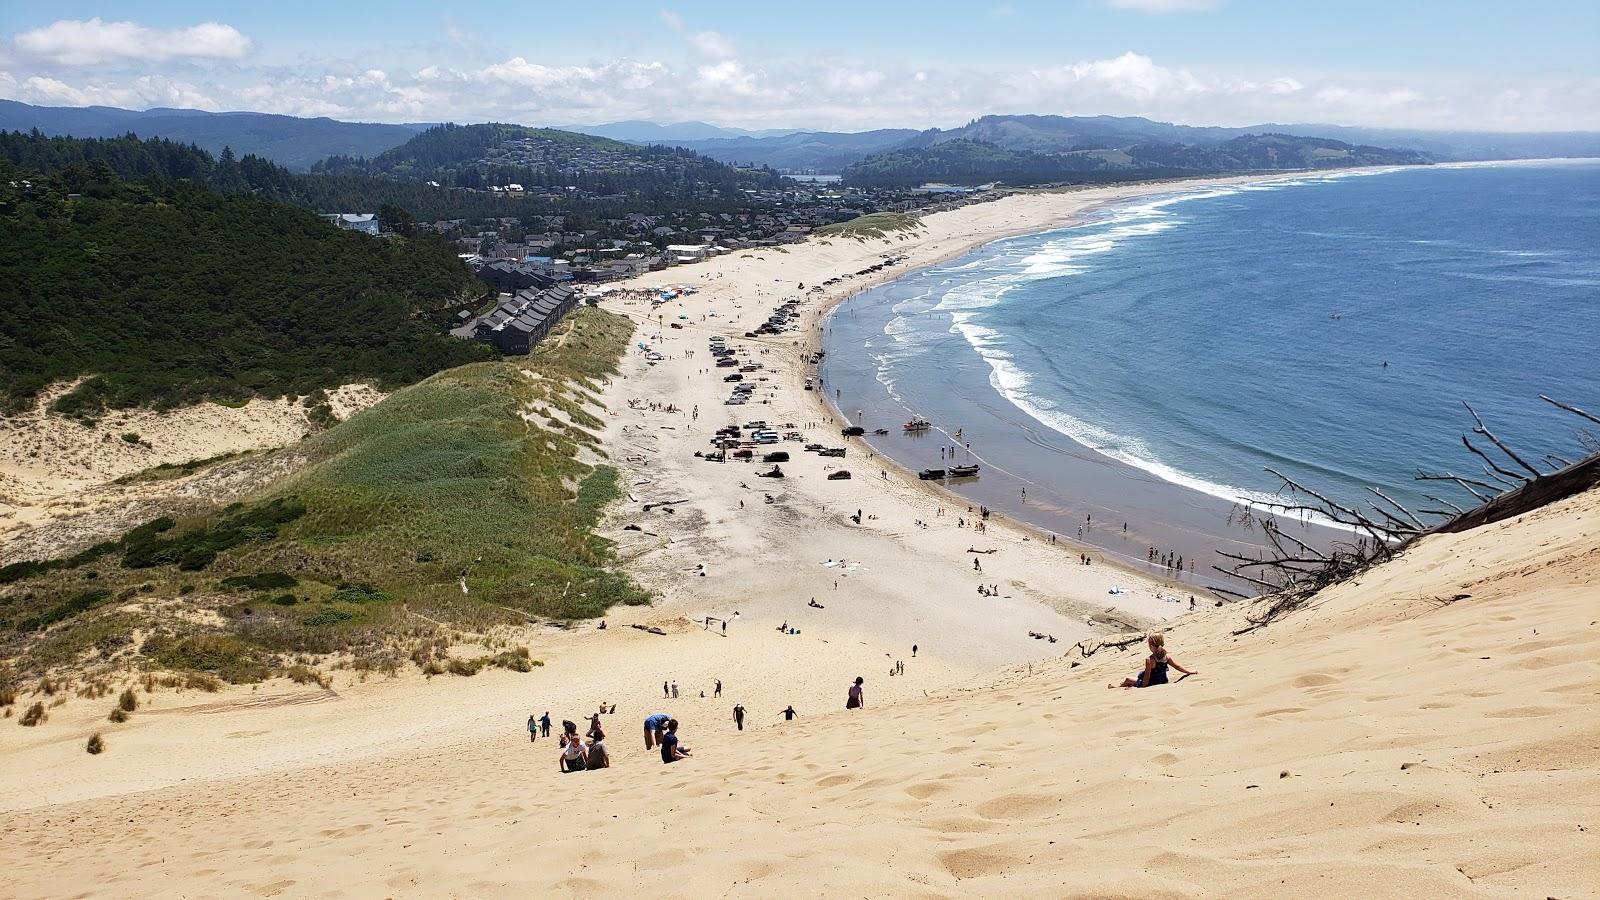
(1035, 525)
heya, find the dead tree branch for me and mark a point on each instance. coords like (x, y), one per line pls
(1571, 409)
(1484, 430)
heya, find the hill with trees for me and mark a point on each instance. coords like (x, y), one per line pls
(967, 161)
(157, 276)
(289, 141)
(484, 156)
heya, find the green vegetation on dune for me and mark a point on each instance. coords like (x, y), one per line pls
(872, 225)
(364, 549)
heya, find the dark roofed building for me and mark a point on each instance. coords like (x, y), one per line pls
(518, 324)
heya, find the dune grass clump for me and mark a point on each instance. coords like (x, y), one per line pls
(516, 660)
(466, 667)
(96, 745)
(128, 702)
(34, 716)
(302, 674)
(118, 715)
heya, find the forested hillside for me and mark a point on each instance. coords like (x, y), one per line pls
(481, 156)
(286, 140)
(163, 292)
(979, 162)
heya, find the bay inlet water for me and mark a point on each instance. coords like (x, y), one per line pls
(1146, 367)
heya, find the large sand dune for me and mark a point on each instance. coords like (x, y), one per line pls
(1382, 743)
(1388, 740)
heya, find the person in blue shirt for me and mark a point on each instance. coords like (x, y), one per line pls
(653, 726)
(671, 750)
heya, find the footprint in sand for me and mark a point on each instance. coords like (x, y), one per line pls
(1315, 679)
(834, 780)
(975, 862)
(1019, 806)
(927, 789)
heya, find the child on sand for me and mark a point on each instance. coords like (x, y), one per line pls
(533, 728)
(1155, 666)
(855, 700)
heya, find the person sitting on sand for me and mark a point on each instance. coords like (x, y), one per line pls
(572, 757)
(855, 700)
(653, 726)
(598, 757)
(1155, 666)
(671, 750)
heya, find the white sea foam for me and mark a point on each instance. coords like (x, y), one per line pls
(1066, 254)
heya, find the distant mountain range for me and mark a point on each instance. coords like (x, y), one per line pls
(641, 132)
(820, 151)
(297, 143)
(290, 141)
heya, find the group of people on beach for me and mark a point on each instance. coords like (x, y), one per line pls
(1171, 560)
(576, 755)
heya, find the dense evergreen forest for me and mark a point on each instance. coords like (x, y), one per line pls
(344, 184)
(976, 162)
(150, 268)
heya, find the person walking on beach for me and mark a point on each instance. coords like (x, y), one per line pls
(738, 715)
(855, 700)
(913, 651)
(533, 727)
(717, 691)
(544, 725)
(665, 691)
(789, 713)
(674, 690)
(976, 567)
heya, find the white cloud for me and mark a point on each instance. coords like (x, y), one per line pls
(713, 45)
(1161, 7)
(140, 93)
(73, 42)
(819, 92)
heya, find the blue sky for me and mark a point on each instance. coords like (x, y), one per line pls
(855, 65)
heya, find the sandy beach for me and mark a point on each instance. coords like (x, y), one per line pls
(1381, 744)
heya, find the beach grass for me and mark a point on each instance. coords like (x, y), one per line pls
(366, 547)
(870, 226)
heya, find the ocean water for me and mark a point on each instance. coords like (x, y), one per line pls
(1326, 326)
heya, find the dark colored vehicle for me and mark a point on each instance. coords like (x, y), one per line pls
(931, 474)
(853, 431)
(776, 456)
(734, 377)
(841, 475)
